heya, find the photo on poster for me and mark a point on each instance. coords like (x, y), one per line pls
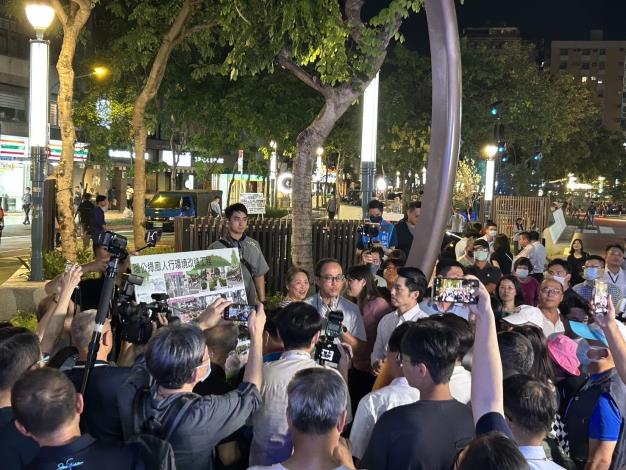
(192, 280)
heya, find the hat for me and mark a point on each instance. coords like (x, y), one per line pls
(482, 243)
(592, 332)
(526, 314)
(562, 350)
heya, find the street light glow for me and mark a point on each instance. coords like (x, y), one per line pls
(490, 150)
(40, 16)
(381, 184)
(100, 72)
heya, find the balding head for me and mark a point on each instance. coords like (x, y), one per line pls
(220, 341)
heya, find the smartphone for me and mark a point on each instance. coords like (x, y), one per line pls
(600, 302)
(462, 291)
(238, 312)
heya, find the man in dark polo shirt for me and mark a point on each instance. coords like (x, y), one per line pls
(488, 274)
(47, 409)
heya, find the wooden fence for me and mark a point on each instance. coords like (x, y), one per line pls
(532, 209)
(331, 239)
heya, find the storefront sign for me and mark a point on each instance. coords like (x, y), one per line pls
(16, 148)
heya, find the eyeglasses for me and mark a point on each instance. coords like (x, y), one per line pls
(331, 279)
(550, 291)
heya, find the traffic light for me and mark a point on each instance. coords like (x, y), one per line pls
(501, 147)
(495, 109)
(537, 156)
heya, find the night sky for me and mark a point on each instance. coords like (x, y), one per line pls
(537, 19)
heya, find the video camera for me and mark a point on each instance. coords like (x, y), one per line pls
(326, 351)
(135, 319)
(115, 244)
(369, 231)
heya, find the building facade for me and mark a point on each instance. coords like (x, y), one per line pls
(600, 65)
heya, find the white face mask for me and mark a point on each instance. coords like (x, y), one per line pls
(493, 233)
(522, 273)
(559, 279)
(582, 352)
(481, 255)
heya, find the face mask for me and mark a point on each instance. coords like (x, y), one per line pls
(559, 279)
(591, 274)
(208, 372)
(523, 273)
(481, 255)
(582, 352)
(492, 233)
(376, 219)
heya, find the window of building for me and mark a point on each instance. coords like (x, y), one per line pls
(602, 51)
(54, 114)
(585, 66)
(601, 65)
(586, 51)
(563, 65)
(592, 78)
(4, 42)
(563, 51)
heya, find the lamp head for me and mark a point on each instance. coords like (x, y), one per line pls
(100, 72)
(40, 15)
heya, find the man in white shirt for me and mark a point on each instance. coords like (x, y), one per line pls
(491, 230)
(538, 256)
(546, 315)
(316, 413)
(406, 293)
(523, 239)
(529, 408)
(374, 404)
(299, 326)
(614, 274)
(330, 280)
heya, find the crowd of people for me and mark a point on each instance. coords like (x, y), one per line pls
(528, 376)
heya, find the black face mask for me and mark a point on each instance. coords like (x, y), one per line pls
(376, 219)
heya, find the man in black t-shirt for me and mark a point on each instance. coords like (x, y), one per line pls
(47, 408)
(19, 351)
(429, 433)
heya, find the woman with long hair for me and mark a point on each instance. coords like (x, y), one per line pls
(362, 289)
(576, 260)
(502, 257)
(509, 293)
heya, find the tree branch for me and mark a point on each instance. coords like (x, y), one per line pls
(352, 11)
(59, 11)
(84, 4)
(302, 75)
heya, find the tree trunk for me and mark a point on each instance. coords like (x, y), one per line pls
(308, 141)
(65, 213)
(140, 133)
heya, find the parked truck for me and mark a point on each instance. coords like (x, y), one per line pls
(165, 206)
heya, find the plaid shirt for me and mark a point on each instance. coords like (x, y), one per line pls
(586, 291)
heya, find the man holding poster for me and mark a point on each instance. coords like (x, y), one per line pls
(253, 264)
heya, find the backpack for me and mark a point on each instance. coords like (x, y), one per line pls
(152, 434)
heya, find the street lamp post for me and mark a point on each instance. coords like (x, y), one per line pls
(40, 16)
(489, 151)
(273, 172)
(368, 142)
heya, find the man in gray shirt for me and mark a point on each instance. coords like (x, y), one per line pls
(253, 264)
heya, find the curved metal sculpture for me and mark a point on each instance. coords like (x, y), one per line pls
(445, 135)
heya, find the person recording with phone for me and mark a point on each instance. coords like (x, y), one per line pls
(176, 360)
(593, 270)
(450, 270)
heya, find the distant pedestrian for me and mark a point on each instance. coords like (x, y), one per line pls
(331, 207)
(27, 201)
(591, 212)
(99, 223)
(216, 209)
(130, 192)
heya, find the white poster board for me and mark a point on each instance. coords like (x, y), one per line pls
(254, 202)
(193, 280)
